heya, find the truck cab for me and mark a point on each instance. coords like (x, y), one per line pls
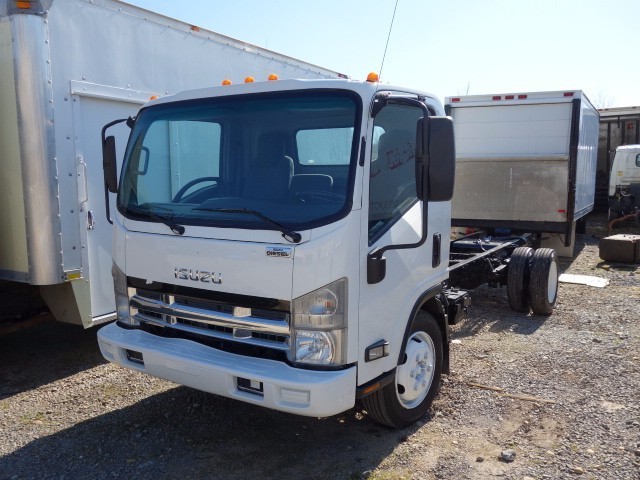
(286, 244)
(624, 182)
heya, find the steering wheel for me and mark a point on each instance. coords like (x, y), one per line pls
(190, 184)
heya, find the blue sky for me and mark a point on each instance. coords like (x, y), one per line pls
(447, 47)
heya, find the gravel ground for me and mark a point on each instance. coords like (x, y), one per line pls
(528, 398)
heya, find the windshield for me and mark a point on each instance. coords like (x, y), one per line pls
(289, 158)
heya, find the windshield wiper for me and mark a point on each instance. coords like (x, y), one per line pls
(166, 220)
(288, 235)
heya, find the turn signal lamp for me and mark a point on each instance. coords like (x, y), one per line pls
(23, 5)
(226, 81)
(153, 97)
(376, 351)
(273, 77)
(373, 77)
(249, 80)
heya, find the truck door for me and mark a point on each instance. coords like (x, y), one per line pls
(90, 115)
(394, 217)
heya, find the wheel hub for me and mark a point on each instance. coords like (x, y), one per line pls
(415, 375)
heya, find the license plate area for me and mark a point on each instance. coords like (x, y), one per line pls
(250, 386)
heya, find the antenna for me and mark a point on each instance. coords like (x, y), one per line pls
(388, 37)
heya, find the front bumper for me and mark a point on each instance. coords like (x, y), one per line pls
(303, 392)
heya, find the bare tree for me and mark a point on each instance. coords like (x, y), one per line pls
(603, 100)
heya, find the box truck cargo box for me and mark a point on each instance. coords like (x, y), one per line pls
(67, 67)
(525, 161)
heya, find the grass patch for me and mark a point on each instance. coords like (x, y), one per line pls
(391, 475)
(36, 418)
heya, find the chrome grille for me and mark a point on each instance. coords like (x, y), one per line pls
(253, 326)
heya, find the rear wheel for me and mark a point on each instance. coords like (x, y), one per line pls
(417, 378)
(543, 281)
(518, 279)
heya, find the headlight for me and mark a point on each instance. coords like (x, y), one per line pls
(319, 333)
(122, 296)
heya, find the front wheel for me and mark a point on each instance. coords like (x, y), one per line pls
(417, 378)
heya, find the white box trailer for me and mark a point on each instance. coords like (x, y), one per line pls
(524, 162)
(67, 67)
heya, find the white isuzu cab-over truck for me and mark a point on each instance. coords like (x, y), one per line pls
(286, 244)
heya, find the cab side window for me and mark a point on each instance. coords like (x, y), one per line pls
(392, 181)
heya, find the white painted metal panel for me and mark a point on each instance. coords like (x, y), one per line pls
(95, 230)
(513, 131)
(385, 308)
(587, 158)
(245, 267)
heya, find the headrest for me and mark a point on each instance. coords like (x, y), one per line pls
(270, 147)
(396, 142)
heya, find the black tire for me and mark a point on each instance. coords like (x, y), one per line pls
(518, 279)
(543, 281)
(396, 405)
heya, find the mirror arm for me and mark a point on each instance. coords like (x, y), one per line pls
(376, 262)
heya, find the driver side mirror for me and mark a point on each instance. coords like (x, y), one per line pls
(435, 170)
(109, 166)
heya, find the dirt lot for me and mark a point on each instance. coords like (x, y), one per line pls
(561, 392)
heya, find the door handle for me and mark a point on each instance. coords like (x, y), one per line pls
(91, 220)
(435, 259)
